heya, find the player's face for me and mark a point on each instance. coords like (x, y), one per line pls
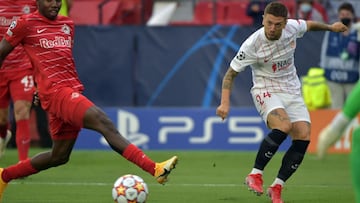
(49, 8)
(273, 26)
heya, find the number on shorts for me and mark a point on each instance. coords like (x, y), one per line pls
(260, 100)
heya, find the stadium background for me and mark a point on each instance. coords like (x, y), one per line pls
(161, 84)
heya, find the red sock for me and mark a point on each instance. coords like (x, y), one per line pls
(23, 139)
(3, 129)
(135, 155)
(19, 170)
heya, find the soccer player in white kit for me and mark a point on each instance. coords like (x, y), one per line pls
(276, 92)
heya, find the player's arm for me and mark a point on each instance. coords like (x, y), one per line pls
(5, 49)
(318, 26)
(227, 85)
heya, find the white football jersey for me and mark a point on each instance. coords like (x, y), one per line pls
(272, 62)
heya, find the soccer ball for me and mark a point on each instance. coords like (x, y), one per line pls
(130, 189)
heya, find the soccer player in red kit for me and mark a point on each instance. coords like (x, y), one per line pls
(48, 39)
(16, 81)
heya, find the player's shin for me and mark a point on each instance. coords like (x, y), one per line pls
(19, 170)
(292, 159)
(138, 157)
(22, 139)
(268, 148)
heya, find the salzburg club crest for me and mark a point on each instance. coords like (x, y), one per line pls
(65, 29)
(26, 9)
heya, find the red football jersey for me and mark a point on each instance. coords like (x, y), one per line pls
(49, 44)
(11, 10)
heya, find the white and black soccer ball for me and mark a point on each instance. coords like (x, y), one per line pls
(130, 189)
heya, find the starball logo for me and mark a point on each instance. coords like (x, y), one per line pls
(59, 41)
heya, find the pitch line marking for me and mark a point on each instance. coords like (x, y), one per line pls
(169, 184)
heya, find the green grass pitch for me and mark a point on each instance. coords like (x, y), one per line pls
(200, 177)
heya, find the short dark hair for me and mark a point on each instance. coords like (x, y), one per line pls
(305, 1)
(276, 9)
(348, 7)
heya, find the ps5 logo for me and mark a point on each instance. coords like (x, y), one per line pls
(200, 131)
(173, 125)
(129, 126)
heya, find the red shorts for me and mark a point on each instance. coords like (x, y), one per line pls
(16, 85)
(66, 110)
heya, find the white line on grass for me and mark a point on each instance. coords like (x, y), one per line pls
(169, 184)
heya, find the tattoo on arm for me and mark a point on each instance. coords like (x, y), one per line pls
(229, 78)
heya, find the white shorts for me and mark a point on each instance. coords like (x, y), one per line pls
(294, 105)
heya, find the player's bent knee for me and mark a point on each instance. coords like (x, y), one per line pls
(301, 136)
(285, 127)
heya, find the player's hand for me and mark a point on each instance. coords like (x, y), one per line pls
(338, 27)
(222, 111)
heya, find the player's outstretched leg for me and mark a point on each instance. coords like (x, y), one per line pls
(274, 192)
(160, 171)
(355, 163)
(96, 119)
(254, 183)
(163, 169)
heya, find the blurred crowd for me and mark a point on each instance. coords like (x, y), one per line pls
(198, 12)
(318, 10)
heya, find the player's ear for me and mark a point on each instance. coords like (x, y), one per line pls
(286, 20)
(263, 20)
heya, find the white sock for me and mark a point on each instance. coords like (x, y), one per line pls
(256, 171)
(278, 181)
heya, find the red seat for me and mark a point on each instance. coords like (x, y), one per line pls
(86, 12)
(204, 13)
(291, 6)
(228, 12)
(132, 12)
(233, 13)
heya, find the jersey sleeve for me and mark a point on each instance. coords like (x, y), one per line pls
(16, 32)
(244, 57)
(299, 25)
